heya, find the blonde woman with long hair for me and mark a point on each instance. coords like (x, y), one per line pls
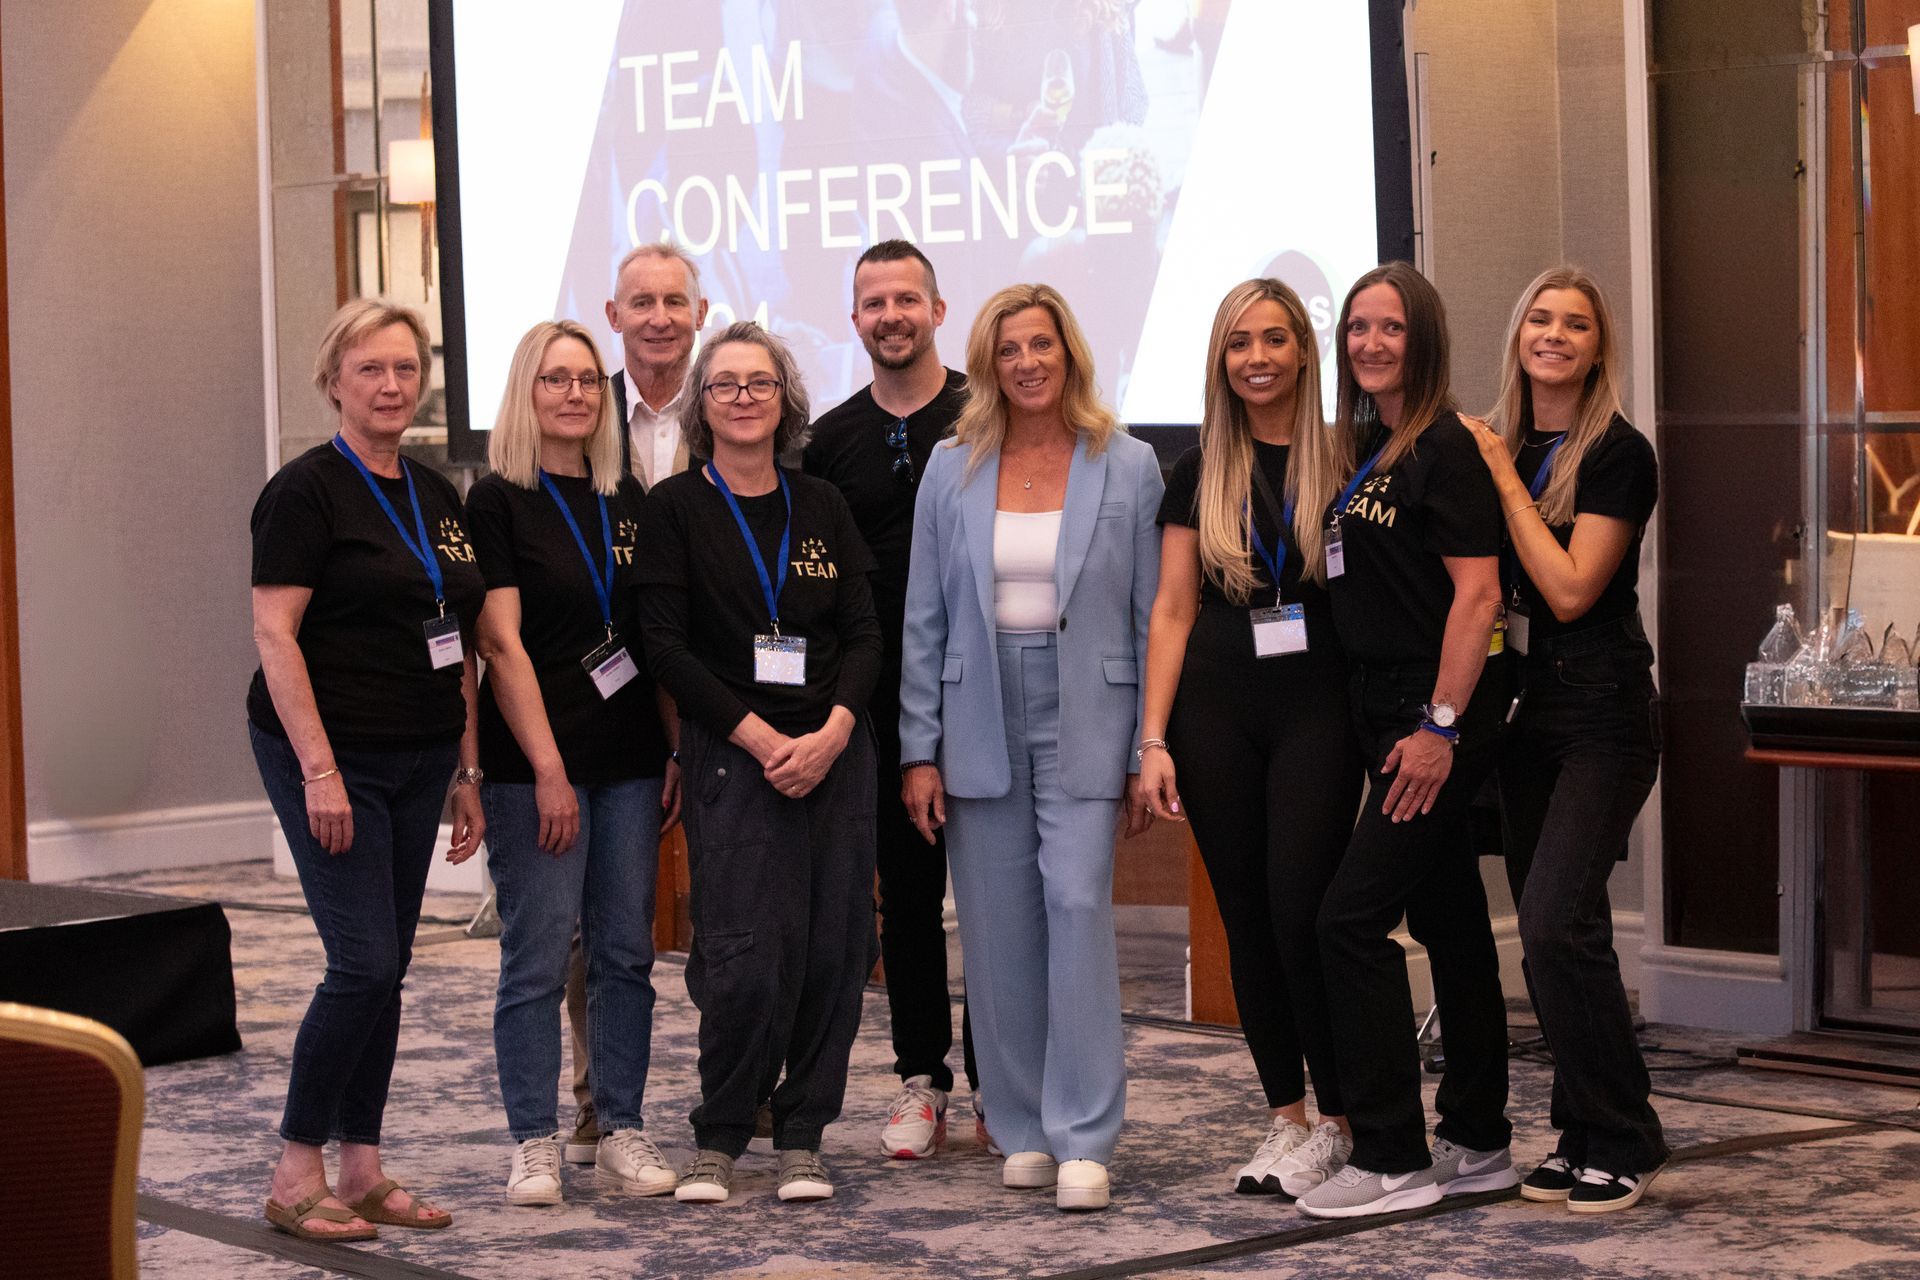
(1246, 692)
(1577, 484)
(1412, 555)
(572, 742)
(1032, 572)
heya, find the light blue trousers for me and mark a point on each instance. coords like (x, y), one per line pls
(1033, 881)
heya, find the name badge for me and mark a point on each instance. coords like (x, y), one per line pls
(443, 641)
(1517, 624)
(1279, 630)
(1498, 644)
(779, 660)
(1336, 553)
(610, 667)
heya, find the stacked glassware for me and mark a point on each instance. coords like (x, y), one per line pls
(1834, 667)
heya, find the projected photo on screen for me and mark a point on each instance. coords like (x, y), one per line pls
(1139, 155)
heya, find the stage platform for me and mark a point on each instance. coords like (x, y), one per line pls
(157, 970)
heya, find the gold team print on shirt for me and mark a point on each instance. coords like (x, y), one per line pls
(625, 534)
(1368, 504)
(814, 562)
(453, 542)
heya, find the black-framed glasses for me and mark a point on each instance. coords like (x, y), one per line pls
(591, 384)
(902, 460)
(727, 391)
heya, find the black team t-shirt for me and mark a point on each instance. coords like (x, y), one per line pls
(523, 542)
(1223, 630)
(701, 604)
(316, 525)
(849, 449)
(1390, 606)
(1620, 478)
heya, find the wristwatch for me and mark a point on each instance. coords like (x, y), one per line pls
(1441, 715)
(468, 777)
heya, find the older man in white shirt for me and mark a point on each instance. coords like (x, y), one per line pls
(657, 309)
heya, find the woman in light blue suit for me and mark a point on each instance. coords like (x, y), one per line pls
(1035, 560)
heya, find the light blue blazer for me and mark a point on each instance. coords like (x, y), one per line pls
(1106, 570)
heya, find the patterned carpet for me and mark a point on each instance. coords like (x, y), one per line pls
(1845, 1206)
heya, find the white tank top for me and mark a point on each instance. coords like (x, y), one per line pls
(1025, 544)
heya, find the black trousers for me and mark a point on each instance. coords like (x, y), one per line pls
(782, 904)
(1269, 774)
(1575, 770)
(913, 936)
(1425, 870)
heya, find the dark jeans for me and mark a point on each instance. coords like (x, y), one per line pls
(1424, 869)
(1576, 768)
(913, 935)
(365, 903)
(1270, 775)
(782, 903)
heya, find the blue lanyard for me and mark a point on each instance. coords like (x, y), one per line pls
(1545, 473)
(1267, 557)
(1510, 564)
(1353, 485)
(768, 587)
(602, 586)
(422, 550)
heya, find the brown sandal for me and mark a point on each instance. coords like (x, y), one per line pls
(294, 1221)
(373, 1207)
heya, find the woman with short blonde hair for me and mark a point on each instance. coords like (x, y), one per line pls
(1246, 690)
(579, 781)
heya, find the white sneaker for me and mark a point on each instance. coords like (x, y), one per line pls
(1259, 1176)
(916, 1122)
(535, 1177)
(1082, 1185)
(628, 1161)
(1028, 1169)
(981, 1137)
(1314, 1161)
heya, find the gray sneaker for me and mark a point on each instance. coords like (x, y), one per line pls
(1461, 1170)
(1355, 1192)
(708, 1179)
(803, 1177)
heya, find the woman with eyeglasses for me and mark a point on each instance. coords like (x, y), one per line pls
(1035, 555)
(578, 780)
(1577, 485)
(364, 601)
(758, 619)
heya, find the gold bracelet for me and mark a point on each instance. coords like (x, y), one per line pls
(1517, 510)
(322, 776)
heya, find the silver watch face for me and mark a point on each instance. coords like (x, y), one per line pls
(1443, 715)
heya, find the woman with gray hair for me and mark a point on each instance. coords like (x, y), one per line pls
(365, 596)
(757, 618)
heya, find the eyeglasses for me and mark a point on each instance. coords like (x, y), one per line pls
(728, 391)
(591, 384)
(902, 460)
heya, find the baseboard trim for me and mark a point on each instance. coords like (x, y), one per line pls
(1718, 990)
(147, 840)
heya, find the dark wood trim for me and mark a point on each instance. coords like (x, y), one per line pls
(1872, 763)
(13, 773)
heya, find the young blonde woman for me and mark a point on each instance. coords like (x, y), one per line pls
(1032, 572)
(1246, 696)
(1577, 484)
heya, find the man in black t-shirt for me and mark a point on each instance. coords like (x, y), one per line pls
(874, 447)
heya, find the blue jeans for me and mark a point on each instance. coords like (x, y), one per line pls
(365, 904)
(605, 883)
